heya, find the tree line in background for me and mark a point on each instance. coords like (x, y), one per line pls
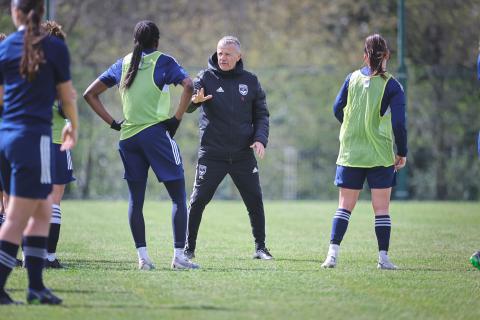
(302, 51)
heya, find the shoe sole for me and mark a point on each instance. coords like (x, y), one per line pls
(328, 266)
(380, 267)
(177, 268)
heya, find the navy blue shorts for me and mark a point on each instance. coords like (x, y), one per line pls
(151, 147)
(63, 170)
(26, 164)
(377, 177)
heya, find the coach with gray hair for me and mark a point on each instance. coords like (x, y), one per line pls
(233, 126)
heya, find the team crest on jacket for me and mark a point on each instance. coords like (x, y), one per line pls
(202, 169)
(243, 89)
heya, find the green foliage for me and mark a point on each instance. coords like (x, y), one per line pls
(431, 243)
(301, 50)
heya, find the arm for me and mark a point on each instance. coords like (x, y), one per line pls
(341, 100)
(68, 98)
(397, 107)
(261, 122)
(92, 96)
(187, 85)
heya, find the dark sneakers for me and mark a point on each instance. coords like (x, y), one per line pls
(55, 264)
(44, 296)
(262, 254)
(6, 300)
(189, 253)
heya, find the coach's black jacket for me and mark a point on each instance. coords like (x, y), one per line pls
(235, 117)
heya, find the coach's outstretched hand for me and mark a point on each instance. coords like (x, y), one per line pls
(172, 125)
(199, 96)
(116, 125)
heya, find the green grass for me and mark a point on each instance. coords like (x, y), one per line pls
(431, 242)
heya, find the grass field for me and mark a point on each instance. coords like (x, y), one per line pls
(431, 243)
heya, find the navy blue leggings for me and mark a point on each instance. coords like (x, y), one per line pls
(176, 190)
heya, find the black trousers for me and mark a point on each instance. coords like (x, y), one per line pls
(208, 176)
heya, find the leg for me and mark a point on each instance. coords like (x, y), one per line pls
(350, 182)
(19, 212)
(347, 199)
(55, 224)
(247, 181)
(176, 190)
(383, 225)
(208, 176)
(136, 167)
(35, 243)
(135, 211)
(381, 180)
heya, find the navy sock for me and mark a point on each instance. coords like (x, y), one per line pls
(54, 234)
(2, 218)
(176, 190)
(383, 226)
(135, 211)
(35, 251)
(339, 225)
(8, 254)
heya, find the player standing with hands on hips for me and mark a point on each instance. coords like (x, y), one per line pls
(234, 123)
(146, 136)
(370, 105)
(34, 70)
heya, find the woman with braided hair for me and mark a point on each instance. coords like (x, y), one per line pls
(34, 70)
(146, 135)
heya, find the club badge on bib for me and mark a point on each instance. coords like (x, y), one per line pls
(243, 89)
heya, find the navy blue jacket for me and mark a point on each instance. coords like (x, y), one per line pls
(235, 117)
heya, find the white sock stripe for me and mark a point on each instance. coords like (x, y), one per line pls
(35, 252)
(343, 218)
(343, 210)
(338, 215)
(7, 260)
(55, 206)
(45, 176)
(383, 221)
(383, 225)
(55, 221)
(174, 148)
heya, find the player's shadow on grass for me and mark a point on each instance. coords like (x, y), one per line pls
(151, 307)
(57, 291)
(119, 265)
(298, 260)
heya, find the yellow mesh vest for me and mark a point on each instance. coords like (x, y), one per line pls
(366, 138)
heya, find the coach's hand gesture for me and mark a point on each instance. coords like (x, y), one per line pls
(258, 148)
(199, 96)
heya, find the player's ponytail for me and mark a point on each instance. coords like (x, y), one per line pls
(33, 54)
(376, 51)
(145, 36)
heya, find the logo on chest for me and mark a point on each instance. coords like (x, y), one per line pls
(243, 89)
